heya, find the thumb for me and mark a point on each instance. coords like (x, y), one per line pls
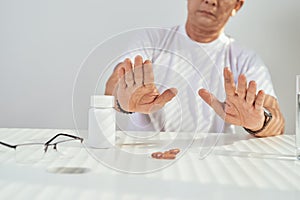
(213, 102)
(165, 97)
(206, 96)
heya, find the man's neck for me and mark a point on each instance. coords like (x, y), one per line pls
(201, 35)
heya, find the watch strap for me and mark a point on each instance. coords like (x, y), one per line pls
(268, 117)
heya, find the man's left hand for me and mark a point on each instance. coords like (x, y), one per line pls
(243, 107)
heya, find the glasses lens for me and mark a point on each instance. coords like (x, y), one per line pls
(4, 149)
(29, 153)
(6, 154)
(70, 147)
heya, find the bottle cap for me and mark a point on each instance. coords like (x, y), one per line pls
(102, 101)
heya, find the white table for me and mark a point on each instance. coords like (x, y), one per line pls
(241, 167)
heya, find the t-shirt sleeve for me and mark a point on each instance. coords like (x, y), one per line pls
(250, 64)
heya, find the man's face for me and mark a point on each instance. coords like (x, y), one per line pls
(211, 14)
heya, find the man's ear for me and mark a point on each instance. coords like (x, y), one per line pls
(237, 7)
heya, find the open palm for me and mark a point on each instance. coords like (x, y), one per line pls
(136, 91)
(242, 107)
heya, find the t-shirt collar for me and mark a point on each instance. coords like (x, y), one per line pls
(220, 40)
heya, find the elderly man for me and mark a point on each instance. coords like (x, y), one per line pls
(132, 83)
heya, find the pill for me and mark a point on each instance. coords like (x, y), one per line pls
(157, 155)
(154, 155)
(168, 156)
(174, 151)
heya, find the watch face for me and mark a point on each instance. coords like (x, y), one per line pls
(267, 113)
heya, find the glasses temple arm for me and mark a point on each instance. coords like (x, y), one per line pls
(62, 134)
(8, 145)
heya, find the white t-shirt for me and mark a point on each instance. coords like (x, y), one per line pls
(188, 66)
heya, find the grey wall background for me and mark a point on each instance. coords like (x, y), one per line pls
(43, 43)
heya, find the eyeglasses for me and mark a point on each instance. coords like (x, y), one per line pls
(32, 152)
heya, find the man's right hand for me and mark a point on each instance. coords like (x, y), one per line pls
(134, 88)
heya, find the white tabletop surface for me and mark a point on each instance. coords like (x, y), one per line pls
(240, 167)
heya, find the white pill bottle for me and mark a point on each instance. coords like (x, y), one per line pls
(102, 122)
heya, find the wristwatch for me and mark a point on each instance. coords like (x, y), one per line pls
(268, 117)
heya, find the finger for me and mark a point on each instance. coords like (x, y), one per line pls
(115, 73)
(138, 70)
(121, 74)
(259, 101)
(117, 67)
(213, 102)
(251, 93)
(148, 72)
(242, 86)
(112, 82)
(128, 73)
(229, 82)
(165, 97)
